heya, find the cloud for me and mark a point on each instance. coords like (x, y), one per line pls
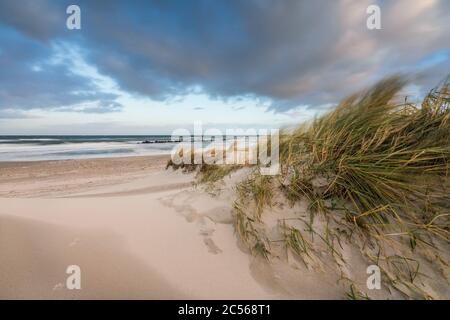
(35, 18)
(32, 78)
(12, 114)
(292, 53)
(103, 106)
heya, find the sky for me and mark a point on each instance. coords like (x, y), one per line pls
(150, 67)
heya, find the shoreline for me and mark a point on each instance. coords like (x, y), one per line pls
(62, 177)
(8, 163)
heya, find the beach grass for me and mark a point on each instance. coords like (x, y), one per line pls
(211, 173)
(388, 162)
(375, 169)
(379, 164)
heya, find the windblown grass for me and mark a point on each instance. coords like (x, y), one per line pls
(246, 227)
(389, 160)
(213, 172)
(373, 166)
(257, 188)
(206, 173)
(375, 169)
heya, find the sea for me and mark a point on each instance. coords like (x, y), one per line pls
(35, 148)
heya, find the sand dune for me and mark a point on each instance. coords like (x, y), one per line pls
(138, 231)
(126, 235)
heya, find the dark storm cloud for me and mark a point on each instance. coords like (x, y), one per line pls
(29, 79)
(23, 80)
(35, 18)
(291, 52)
(228, 48)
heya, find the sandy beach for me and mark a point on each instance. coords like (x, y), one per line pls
(139, 231)
(134, 229)
(225, 150)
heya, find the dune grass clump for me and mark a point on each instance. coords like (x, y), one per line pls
(376, 171)
(211, 173)
(376, 168)
(247, 229)
(186, 167)
(253, 194)
(388, 160)
(206, 173)
(257, 188)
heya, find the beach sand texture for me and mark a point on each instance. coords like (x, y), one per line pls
(136, 231)
(139, 231)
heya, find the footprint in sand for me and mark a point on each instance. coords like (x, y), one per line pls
(206, 231)
(212, 247)
(183, 206)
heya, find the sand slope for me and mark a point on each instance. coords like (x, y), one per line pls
(126, 236)
(138, 231)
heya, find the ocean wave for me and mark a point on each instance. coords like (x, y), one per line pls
(38, 139)
(22, 148)
(88, 150)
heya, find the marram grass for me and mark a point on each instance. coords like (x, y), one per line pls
(388, 162)
(376, 168)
